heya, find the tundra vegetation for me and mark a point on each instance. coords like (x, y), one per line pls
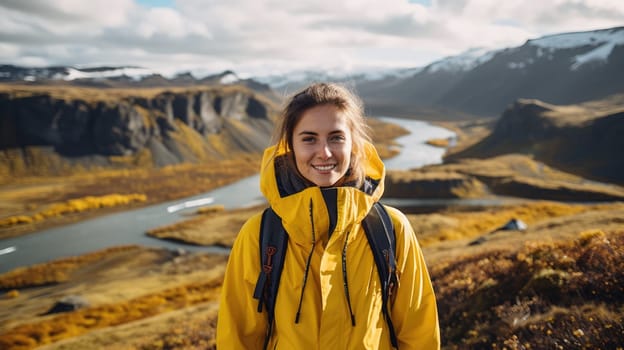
(556, 284)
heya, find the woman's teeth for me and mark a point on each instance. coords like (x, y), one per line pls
(324, 167)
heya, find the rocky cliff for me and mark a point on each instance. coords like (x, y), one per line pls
(583, 139)
(149, 126)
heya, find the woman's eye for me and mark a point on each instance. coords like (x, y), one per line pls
(337, 138)
(308, 139)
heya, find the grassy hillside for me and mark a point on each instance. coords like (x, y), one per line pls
(511, 175)
(556, 284)
(583, 139)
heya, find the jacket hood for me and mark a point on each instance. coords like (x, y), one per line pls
(308, 212)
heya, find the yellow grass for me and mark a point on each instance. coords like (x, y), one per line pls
(192, 139)
(491, 283)
(53, 272)
(383, 135)
(214, 209)
(95, 95)
(75, 206)
(13, 293)
(443, 143)
(28, 196)
(179, 226)
(585, 237)
(67, 325)
(460, 225)
(214, 227)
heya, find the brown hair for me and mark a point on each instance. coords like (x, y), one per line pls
(327, 94)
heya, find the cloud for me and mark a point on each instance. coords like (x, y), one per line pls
(545, 16)
(253, 35)
(68, 16)
(168, 22)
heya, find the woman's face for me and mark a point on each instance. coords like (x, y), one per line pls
(322, 145)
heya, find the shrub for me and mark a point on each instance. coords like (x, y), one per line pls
(541, 296)
(13, 293)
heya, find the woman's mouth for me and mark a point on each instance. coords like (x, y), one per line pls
(324, 167)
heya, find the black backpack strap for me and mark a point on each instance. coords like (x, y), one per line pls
(382, 240)
(273, 242)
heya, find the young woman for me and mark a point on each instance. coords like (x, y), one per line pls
(322, 178)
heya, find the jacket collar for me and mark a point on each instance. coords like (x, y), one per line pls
(302, 207)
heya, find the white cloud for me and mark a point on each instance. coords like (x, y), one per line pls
(66, 17)
(168, 22)
(252, 36)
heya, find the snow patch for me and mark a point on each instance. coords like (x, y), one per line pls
(600, 43)
(572, 40)
(516, 65)
(229, 78)
(134, 73)
(304, 77)
(463, 62)
(599, 54)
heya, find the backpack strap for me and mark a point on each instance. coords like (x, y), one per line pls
(382, 241)
(273, 243)
(274, 240)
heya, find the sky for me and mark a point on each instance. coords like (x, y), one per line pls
(264, 37)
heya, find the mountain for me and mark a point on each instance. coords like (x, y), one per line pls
(11, 73)
(564, 68)
(560, 69)
(286, 84)
(116, 77)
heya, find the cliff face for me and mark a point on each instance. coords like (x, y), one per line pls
(81, 125)
(582, 139)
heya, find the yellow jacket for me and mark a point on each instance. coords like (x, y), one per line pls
(325, 319)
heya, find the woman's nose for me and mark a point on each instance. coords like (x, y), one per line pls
(325, 151)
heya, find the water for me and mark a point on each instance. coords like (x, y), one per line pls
(415, 153)
(129, 227)
(123, 228)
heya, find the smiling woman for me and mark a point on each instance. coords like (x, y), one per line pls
(322, 178)
(322, 145)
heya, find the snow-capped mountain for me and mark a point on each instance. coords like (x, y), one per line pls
(125, 76)
(560, 69)
(602, 44)
(135, 73)
(31, 74)
(463, 62)
(292, 81)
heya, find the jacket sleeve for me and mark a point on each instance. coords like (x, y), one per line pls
(414, 312)
(239, 324)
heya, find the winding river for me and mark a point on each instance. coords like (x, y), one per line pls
(129, 227)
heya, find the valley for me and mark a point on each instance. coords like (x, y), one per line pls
(538, 143)
(169, 299)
